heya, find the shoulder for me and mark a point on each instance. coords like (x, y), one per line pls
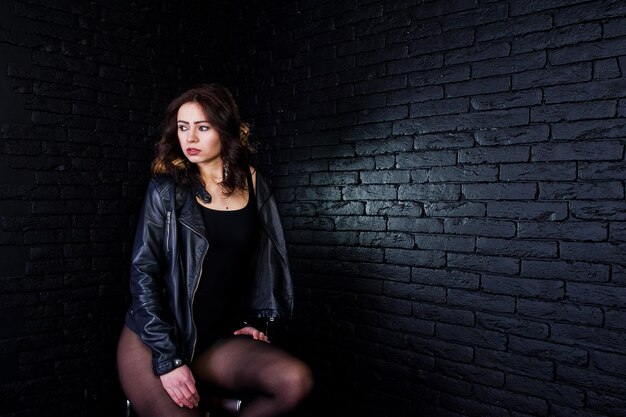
(162, 187)
(162, 182)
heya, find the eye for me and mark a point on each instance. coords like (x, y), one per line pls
(182, 128)
(204, 128)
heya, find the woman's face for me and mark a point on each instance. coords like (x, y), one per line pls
(199, 141)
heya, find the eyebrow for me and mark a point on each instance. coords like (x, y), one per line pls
(199, 121)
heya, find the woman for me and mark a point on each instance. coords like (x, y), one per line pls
(209, 261)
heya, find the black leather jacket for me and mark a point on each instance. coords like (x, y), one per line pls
(166, 264)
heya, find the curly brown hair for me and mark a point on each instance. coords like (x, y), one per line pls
(223, 115)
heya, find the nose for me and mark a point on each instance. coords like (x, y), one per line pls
(191, 136)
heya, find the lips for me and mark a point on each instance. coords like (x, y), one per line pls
(193, 151)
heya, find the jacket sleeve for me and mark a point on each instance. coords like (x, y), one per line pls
(149, 307)
(273, 293)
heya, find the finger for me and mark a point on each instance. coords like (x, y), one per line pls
(189, 399)
(192, 395)
(175, 397)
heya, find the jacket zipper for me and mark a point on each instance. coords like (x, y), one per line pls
(193, 294)
(168, 222)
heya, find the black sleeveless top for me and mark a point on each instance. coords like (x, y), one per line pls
(232, 236)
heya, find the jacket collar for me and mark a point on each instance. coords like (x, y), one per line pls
(198, 189)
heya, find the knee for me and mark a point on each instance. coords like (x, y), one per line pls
(296, 382)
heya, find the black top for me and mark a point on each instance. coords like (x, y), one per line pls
(232, 236)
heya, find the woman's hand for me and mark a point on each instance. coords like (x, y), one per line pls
(251, 331)
(180, 385)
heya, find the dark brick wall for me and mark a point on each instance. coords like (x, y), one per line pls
(82, 88)
(452, 179)
(451, 175)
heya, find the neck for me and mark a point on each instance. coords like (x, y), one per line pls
(212, 172)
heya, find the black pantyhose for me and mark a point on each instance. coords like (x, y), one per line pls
(273, 382)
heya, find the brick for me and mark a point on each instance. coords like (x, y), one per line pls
(513, 136)
(572, 112)
(494, 264)
(580, 231)
(499, 191)
(439, 76)
(389, 53)
(465, 405)
(609, 210)
(349, 164)
(560, 77)
(317, 223)
(425, 159)
(577, 151)
(446, 41)
(606, 68)
(509, 65)
(369, 192)
(567, 270)
(443, 314)
(597, 294)
(507, 100)
(514, 401)
(557, 37)
(538, 171)
(439, 107)
(611, 363)
(423, 125)
(480, 227)
(569, 312)
(386, 240)
(606, 404)
(446, 243)
(471, 372)
(454, 209)
(440, 348)
(595, 90)
(494, 155)
(394, 208)
(586, 336)
(528, 210)
(513, 27)
(447, 278)
(384, 162)
(318, 193)
(415, 258)
(415, 292)
(606, 190)
(371, 223)
(414, 95)
(480, 52)
(550, 391)
(516, 364)
(340, 207)
(480, 86)
(384, 177)
(580, 13)
(382, 115)
(602, 171)
(337, 178)
(589, 379)
(429, 192)
(443, 141)
(467, 173)
(618, 232)
(409, 325)
(522, 287)
(541, 349)
(471, 335)
(382, 271)
(480, 300)
(414, 64)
